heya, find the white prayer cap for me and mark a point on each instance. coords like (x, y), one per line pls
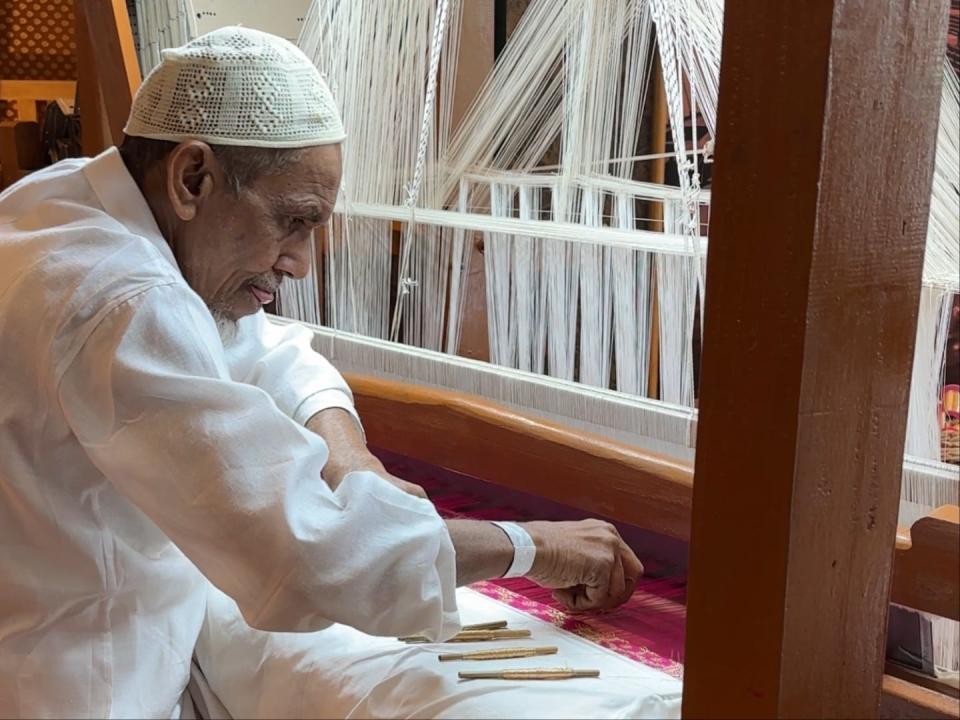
(236, 86)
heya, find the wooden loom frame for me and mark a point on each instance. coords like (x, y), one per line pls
(610, 478)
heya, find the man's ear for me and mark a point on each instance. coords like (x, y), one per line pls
(192, 174)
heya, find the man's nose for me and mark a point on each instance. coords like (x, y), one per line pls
(294, 260)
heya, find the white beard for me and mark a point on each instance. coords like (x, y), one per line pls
(226, 327)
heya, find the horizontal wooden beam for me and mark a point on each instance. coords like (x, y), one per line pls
(37, 89)
(471, 435)
(918, 677)
(902, 700)
(926, 569)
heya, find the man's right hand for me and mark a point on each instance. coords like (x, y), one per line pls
(587, 563)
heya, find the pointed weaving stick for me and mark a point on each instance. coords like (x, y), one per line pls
(476, 636)
(491, 625)
(530, 674)
(499, 654)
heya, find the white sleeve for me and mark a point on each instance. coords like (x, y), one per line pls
(236, 484)
(280, 360)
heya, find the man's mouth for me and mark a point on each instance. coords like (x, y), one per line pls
(264, 297)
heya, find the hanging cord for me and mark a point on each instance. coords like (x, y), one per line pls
(405, 283)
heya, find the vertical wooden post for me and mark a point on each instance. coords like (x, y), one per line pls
(825, 141)
(659, 174)
(475, 63)
(476, 56)
(94, 128)
(108, 54)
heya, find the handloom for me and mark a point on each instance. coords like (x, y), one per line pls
(576, 76)
(570, 253)
(603, 410)
(573, 271)
(558, 240)
(593, 277)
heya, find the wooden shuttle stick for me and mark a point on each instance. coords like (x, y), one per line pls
(492, 625)
(477, 636)
(499, 654)
(530, 674)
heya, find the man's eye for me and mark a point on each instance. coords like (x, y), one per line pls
(298, 223)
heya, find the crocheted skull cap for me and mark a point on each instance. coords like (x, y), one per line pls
(236, 86)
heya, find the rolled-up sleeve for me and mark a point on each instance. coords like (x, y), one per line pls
(236, 483)
(280, 360)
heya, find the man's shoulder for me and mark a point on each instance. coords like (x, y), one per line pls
(63, 263)
(56, 235)
(88, 255)
(67, 287)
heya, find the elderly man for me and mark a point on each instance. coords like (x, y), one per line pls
(159, 433)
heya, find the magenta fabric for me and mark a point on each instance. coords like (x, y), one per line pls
(649, 628)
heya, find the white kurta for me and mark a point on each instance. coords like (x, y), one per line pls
(135, 449)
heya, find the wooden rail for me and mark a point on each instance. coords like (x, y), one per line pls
(472, 435)
(902, 700)
(926, 569)
(27, 92)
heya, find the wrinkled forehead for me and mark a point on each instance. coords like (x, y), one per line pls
(321, 165)
(313, 177)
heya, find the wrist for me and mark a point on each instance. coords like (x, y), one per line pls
(539, 533)
(523, 546)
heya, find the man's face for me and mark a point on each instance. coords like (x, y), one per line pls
(237, 249)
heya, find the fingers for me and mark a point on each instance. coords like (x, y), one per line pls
(582, 598)
(608, 595)
(568, 596)
(616, 588)
(623, 578)
(632, 567)
(629, 567)
(608, 592)
(579, 598)
(588, 561)
(593, 598)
